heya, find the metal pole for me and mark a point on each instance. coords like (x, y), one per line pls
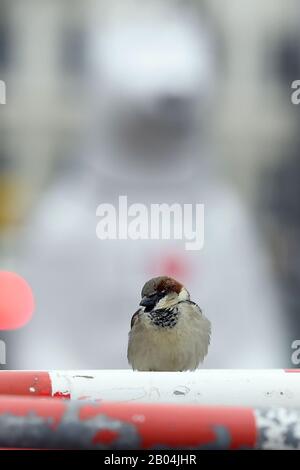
(254, 388)
(47, 423)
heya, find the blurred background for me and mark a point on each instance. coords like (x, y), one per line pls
(169, 101)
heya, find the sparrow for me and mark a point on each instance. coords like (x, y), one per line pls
(169, 332)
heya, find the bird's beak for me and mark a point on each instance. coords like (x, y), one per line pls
(148, 301)
(151, 300)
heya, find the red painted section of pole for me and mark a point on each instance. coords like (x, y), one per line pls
(184, 425)
(52, 410)
(181, 426)
(25, 383)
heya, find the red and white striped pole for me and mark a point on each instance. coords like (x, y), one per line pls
(254, 388)
(45, 423)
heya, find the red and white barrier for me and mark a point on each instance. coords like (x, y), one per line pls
(254, 388)
(40, 423)
(46, 423)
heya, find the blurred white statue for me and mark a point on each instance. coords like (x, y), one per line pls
(151, 88)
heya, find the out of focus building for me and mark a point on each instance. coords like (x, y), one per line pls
(44, 47)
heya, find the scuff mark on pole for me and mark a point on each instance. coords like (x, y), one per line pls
(34, 383)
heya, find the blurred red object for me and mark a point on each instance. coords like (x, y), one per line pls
(16, 301)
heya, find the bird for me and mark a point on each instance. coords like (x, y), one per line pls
(168, 332)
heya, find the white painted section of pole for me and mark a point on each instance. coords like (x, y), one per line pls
(254, 388)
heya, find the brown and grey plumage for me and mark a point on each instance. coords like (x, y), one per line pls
(169, 332)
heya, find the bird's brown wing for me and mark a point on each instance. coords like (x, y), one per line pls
(134, 318)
